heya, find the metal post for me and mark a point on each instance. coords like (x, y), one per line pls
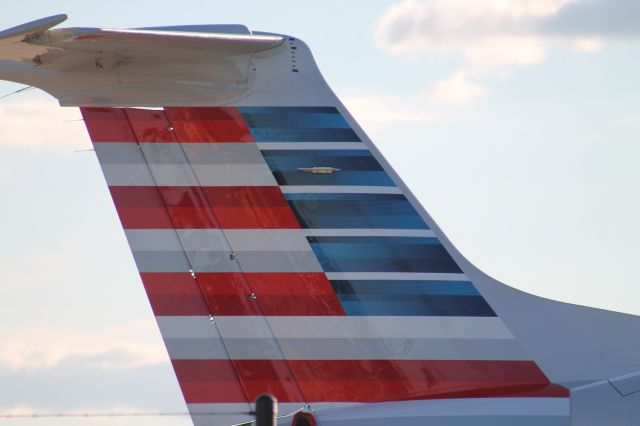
(266, 410)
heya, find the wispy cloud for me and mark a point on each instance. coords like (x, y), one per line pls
(441, 100)
(490, 33)
(120, 347)
(39, 123)
(491, 36)
(457, 90)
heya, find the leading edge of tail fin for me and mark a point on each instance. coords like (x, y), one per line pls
(281, 253)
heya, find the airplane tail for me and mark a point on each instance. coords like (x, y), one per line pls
(282, 254)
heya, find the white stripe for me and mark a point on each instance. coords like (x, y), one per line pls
(455, 407)
(324, 327)
(217, 239)
(339, 189)
(183, 175)
(309, 145)
(413, 276)
(311, 348)
(462, 408)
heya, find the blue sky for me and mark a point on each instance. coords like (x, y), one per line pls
(514, 122)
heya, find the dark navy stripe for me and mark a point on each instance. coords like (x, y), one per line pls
(357, 167)
(411, 298)
(405, 287)
(297, 124)
(382, 254)
(303, 135)
(384, 211)
(380, 305)
(287, 110)
(296, 121)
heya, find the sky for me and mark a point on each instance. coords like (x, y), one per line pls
(514, 122)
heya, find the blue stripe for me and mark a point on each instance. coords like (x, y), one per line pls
(458, 306)
(297, 124)
(287, 110)
(382, 254)
(384, 211)
(357, 167)
(411, 298)
(408, 287)
(295, 121)
(303, 135)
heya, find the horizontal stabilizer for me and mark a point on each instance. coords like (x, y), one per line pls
(131, 40)
(131, 66)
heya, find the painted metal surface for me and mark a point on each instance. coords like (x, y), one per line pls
(342, 296)
(335, 290)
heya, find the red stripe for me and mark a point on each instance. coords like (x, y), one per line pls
(107, 125)
(192, 124)
(227, 389)
(174, 294)
(371, 380)
(150, 125)
(294, 294)
(251, 207)
(246, 207)
(208, 124)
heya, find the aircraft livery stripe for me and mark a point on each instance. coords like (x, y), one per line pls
(234, 207)
(279, 256)
(261, 207)
(364, 381)
(343, 348)
(225, 294)
(447, 409)
(337, 327)
(309, 294)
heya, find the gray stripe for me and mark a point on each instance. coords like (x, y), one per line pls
(278, 261)
(249, 348)
(253, 239)
(220, 261)
(450, 420)
(310, 145)
(183, 175)
(325, 327)
(331, 327)
(336, 349)
(127, 175)
(119, 153)
(413, 276)
(483, 411)
(520, 406)
(268, 239)
(217, 239)
(181, 153)
(175, 261)
(187, 327)
(234, 175)
(222, 153)
(260, 250)
(342, 189)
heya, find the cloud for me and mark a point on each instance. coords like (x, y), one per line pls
(41, 124)
(374, 110)
(120, 347)
(596, 18)
(491, 34)
(457, 90)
